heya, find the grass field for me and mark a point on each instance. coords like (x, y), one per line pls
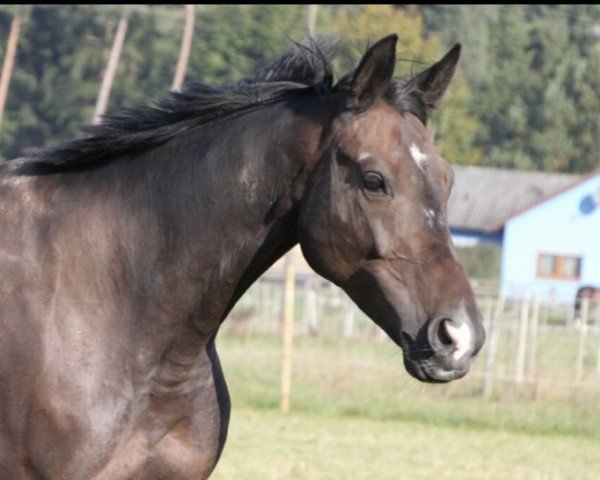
(266, 445)
(357, 415)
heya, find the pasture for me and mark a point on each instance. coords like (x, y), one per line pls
(356, 414)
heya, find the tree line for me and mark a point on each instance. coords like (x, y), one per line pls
(527, 94)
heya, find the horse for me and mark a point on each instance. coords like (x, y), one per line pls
(124, 250)
(592, 295)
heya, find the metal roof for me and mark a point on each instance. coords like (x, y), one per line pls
(484, 198)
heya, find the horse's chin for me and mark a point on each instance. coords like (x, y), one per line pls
(423, 370)
(428, 372)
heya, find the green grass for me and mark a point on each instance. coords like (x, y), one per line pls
(265, 445)
(357, 414)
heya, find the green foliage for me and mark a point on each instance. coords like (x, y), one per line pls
(53, 86)
(534, 72)
(481, 262)
(454, 126)
(149, 56)
(526, 94)
(232, 41)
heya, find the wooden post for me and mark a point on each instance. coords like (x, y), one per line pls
(381, 335)
(288, 332)
(488, 312)
(9, 61)
(544, 313)
(535, 314)
(311, 22)
(522, 340)
(583, 328)
(598, 362)
(310, 311)
(186, 48)
(262, 304)
(348, 323)
(493, 334)
(111, 69)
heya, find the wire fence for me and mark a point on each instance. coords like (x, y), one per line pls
(533, 344)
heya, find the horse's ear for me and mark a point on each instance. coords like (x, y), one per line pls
(431, 84)
(373, 74)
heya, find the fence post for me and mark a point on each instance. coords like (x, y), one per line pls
(522, 340)
(288, 332)
(310, 313)
(262, 304)
(488, 313)
(381, 335)
(534, 322)
(598, 364)
(348, 325)
(583, 328)
(598, 361)
(493, 334)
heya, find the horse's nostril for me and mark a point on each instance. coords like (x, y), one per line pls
(452, 340)
(440, 337)
(451, 337)
(443, 334)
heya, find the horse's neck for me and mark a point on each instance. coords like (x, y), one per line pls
(233, 215)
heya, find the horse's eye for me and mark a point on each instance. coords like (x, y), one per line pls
(373, 181)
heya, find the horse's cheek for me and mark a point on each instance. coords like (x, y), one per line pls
(312, 236)
(383, 243)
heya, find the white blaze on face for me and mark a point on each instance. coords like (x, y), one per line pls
(461, 336)
(419, 157)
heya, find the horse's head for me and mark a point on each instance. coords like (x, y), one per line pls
(373, 218)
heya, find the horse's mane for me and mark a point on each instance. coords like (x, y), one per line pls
(306, 69)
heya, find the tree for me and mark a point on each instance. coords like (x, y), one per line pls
(186, 46)
(533, 72)
(111, 68)
(149, 55)
(526, 94)
(55, 80)
(9, 59)
(454, 125)
(223, 50)
(311, 21)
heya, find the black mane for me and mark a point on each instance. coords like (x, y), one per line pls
(305, 70)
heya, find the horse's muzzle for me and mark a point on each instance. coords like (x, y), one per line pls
(445, 348)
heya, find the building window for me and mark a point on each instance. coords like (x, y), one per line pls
(559, 267)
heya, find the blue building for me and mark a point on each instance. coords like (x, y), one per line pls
(547, 225)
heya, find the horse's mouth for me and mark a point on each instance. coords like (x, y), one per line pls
(421, 363)
(428, 371)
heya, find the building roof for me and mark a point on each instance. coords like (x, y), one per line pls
(483, 199)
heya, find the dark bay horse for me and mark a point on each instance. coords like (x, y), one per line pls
(122, 252)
